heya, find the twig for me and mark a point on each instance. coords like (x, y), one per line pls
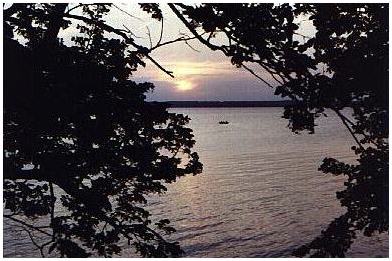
(191, 47)
(33, 241)
(272, 73)
(209, 36)
(28, 225)
(149, 36)
(125, 12)
(129, 31)
(73, 8)
(344, 120)
(194, 32)
(161, 35)
(213, 46)
(121, 33)
(180, 39)
(257, 76)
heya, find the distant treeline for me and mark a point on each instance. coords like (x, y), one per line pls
(189, 104)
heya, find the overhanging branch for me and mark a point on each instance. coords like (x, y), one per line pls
(220, 48)
(143, 50)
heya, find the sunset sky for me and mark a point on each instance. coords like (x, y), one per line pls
(203, 75)
(199, 75)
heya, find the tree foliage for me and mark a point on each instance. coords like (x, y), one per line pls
(86, 129)
(80, 137)
(344, 64)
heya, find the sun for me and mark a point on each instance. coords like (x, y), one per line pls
(184, 85)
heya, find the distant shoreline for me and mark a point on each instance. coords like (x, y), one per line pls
(227, 104)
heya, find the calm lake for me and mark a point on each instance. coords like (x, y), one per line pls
(260, 194)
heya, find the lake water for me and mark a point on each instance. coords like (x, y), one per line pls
(260, 194)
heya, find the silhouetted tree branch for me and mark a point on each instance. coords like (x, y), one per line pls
(88, 135)
(143, 50)
(351, 45)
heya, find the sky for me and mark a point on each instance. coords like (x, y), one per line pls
(200, 73)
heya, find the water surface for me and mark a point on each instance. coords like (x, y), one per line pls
(260, 194)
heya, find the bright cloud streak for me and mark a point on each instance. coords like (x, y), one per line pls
(201, 75)
(188, 75)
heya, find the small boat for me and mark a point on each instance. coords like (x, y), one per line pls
(223, 122)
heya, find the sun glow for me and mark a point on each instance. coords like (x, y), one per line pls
(188, 74)
(184, 85)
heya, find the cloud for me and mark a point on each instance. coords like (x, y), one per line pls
(203, 75)
(206, 80)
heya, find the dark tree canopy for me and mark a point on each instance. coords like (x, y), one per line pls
(85, 128)
(93, 144)
(343, 65)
